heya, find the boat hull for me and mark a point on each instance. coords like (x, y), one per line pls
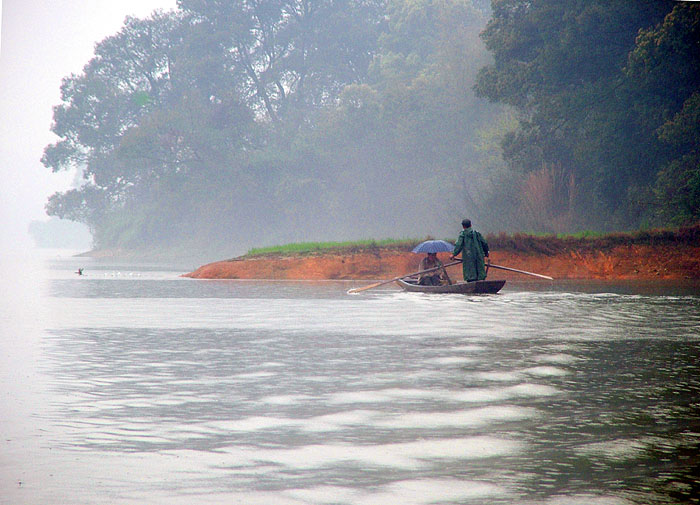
(466, 288)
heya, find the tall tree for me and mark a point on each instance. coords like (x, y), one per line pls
(664, 74)
(413, 127)
(129, 77)
(293, 53)
(561, 64)
(153, 110)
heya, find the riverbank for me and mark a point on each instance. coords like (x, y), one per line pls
(662, 255)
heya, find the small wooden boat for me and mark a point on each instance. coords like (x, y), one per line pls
(474, 287)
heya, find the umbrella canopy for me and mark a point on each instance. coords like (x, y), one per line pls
(433, 246)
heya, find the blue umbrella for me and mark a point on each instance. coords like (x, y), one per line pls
(433, 246)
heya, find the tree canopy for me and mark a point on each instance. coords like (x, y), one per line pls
(224, 125)
(594, 84)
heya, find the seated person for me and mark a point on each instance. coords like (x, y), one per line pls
(434, 278)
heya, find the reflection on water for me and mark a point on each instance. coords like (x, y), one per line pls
(156, 389)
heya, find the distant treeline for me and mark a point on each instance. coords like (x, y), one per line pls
(221, 125)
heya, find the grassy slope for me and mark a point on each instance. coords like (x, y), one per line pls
(518, 242)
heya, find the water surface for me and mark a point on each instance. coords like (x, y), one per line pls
(133, 385)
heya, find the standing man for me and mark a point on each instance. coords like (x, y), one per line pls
(473, 248)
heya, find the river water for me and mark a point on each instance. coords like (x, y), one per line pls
(131, 384)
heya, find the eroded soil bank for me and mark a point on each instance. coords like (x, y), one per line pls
(666, 261)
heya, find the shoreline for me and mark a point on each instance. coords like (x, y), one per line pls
(621, 262)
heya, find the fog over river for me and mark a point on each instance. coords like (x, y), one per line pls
(130, 384)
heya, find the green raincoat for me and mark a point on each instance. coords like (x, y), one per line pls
(473, 248)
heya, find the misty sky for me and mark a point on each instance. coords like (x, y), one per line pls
(43, 41)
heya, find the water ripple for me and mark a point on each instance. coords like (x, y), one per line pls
(236, 394)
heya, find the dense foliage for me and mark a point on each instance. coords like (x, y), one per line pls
(227, 124)
(606, 94)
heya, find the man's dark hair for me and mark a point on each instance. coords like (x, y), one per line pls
(466, 223)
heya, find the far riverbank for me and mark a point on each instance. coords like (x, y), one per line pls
(652, 255)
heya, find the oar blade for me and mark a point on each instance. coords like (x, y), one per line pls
(365, 288)
(522, 272)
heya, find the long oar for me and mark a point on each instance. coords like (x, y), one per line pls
(365, 288)
(491, 265)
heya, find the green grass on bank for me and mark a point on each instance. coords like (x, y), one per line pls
(516, 242)
(348, 246)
